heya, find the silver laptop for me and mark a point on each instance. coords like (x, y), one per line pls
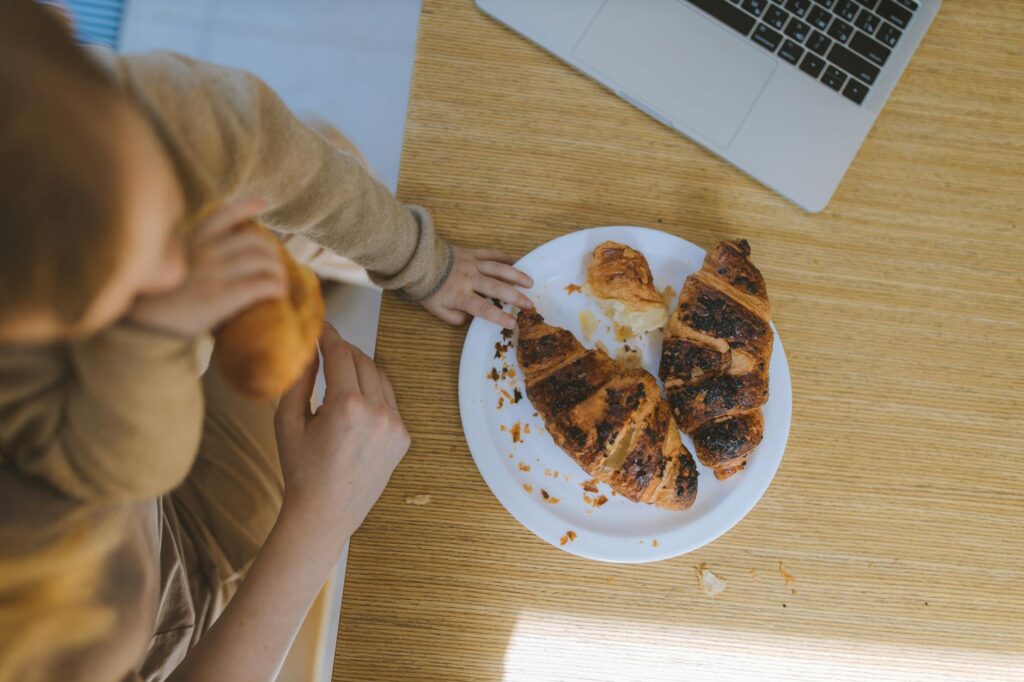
(786, 90)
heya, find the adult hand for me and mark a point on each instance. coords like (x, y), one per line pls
(229, 270)
(337, 462)
(478, 275)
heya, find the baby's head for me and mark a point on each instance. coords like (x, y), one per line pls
(89, 199)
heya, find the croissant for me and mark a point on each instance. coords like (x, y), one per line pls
(263, 350)
(715, 357)
(620, 279)
(611, 420)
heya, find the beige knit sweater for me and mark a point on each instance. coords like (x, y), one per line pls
(118, 416)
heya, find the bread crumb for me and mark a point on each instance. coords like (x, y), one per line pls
(568, 537)
(588, 323)
(573, 289)
(788, 577)
(547, 497)
(418, 500)
(654, 543)
(590, 486)
(527, 487)
(711, 583)
(630, 358)
(526, 427)
(515, 431)
(501, 402)
(524, 467)
(668, 295)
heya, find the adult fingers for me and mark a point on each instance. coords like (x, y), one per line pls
(339, 364)
(493, 288)
(226, 217)
(506, 273)
(293, 409)
(369, 378)
(480, 307)
(389, 392)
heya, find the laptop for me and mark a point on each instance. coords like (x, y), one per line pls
(786, 90)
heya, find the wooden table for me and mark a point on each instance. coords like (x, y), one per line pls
(898, 507)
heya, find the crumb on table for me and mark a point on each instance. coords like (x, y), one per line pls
(418, 500)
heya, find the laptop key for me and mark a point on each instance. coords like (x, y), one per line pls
(897, 15)
(776, 17)
(798, 7)
(798, 30)
(827, 4)
(909, 4)
(791, 52)
(867, 22)
(847, 9)
(888, 34)
(855, 91)
(873, 50)
(840, 30)
(755, 7)
(870, 4)
(833, 78)
(853, 63)
(733, 17)
(812, 65)
(819, 43)
(766, 37)
(819, 18)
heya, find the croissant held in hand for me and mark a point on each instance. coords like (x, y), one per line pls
(610, 419)
(715, 358)
(263, 350)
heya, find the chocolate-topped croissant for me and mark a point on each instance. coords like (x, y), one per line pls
(715, 357)
(611, 420)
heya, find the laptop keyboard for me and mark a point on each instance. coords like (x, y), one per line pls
(841, 43)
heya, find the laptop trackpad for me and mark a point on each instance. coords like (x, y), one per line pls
(684, 65)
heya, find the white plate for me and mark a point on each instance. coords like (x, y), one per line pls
(620, 530)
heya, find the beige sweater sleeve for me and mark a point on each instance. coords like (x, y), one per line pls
(231, 135)
(115, 417)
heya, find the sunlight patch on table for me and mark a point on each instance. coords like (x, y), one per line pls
(546, 646)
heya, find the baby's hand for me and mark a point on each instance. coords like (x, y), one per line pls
(478, 275)
(229, 270)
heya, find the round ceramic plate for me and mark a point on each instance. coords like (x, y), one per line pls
(540, 485)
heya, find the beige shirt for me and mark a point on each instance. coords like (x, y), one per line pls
(117, 418)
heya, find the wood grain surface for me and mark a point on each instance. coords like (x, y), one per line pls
(898, 507)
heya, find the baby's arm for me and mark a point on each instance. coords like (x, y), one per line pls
(114, 417)
(230, 134)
